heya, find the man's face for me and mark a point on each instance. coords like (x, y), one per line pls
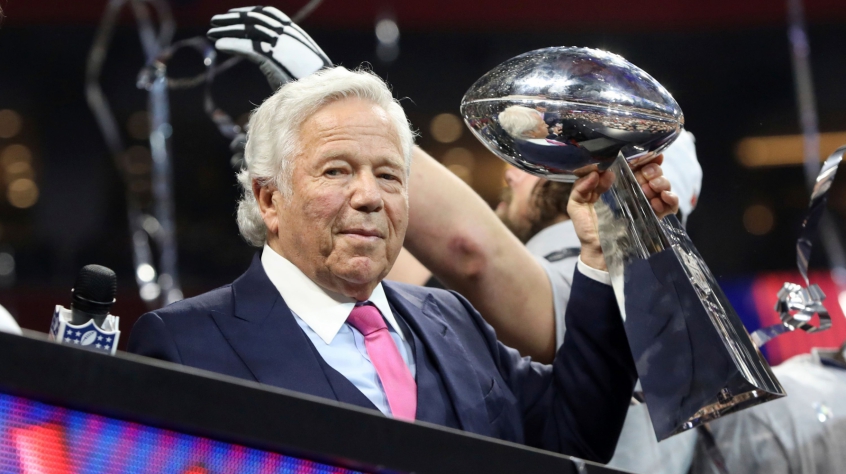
(517, 210)
(345, 221)
(541, 130)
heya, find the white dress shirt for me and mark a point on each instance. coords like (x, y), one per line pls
(322, 315)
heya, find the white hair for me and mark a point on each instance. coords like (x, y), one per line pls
(274, 129)
(517, 120)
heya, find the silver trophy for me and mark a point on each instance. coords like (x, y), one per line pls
(560, 113)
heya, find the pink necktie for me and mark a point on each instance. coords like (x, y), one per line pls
(399, 385)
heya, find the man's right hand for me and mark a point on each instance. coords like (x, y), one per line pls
(266, 36)
(586, 192)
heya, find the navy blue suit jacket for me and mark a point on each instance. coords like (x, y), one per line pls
(575, 406)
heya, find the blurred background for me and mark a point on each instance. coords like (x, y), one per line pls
(63, 202)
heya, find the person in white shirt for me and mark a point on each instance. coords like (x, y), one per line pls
(804, 432)
(8, 323)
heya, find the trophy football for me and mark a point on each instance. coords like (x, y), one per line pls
(560, 113)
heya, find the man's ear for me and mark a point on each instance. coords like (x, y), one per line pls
(267, 206)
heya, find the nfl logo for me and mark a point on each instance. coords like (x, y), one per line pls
(88, 335)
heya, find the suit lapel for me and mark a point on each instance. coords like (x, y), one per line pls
(448, 354)
(264, 334)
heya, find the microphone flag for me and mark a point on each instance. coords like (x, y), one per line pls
(88, 335)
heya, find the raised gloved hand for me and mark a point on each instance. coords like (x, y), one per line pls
(237, 146)
(266, 36)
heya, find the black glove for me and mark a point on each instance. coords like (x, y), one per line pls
(266, 36)
(237, 146)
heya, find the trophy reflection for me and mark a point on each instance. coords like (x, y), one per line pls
(533, 137)
(560, 113)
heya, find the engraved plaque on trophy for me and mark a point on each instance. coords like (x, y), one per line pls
(560, 113)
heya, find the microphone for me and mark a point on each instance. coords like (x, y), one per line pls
(93, 295)
(87, 323)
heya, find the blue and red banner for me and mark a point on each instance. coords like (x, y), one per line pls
(754, 299)
(36, 438)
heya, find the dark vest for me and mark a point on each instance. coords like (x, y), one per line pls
(433, 401)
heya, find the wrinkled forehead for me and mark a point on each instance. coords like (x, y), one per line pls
(348, 110)
(348, 128)
(350, 121)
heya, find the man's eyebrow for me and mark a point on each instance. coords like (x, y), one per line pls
(330, 155)
(391, 162)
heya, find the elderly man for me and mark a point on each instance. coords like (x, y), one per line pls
(452, 231)
(326, 194)
(524, 123)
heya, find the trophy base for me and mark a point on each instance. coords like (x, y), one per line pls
(731, 405)
(695, 360)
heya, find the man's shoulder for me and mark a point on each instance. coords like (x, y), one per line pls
(419, 295)
(557, 249)
(416, 291)
(186, 332)
(558, 236)
(219, 299)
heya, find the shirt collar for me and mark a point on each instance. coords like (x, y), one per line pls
(324, 311)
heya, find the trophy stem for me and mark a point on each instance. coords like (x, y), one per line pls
(695, 359)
